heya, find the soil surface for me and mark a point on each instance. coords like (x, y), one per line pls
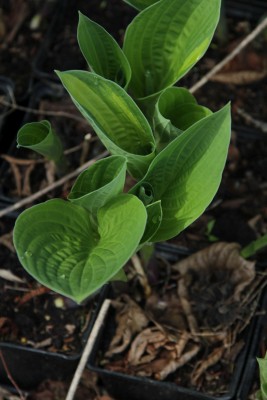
(177, 337)
(25, 172)
(62, 51)
(23, 25)
(32, 315)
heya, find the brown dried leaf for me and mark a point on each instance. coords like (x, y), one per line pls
(50, 169)
(7, 240)
(240, 77)
(130, 320)
(146, 342)
(223, 256)
(173, 365)
(26, 189)
(166, 310)
(203, 365)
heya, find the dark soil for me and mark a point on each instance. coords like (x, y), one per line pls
(208, 295)
(63, 52)
(47, 321)
(23, 27)
(71, 129)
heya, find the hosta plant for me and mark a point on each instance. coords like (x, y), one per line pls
(174, 149)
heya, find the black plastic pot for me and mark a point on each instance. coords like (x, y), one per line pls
(29, 367)
(122, 386)
(250, 378)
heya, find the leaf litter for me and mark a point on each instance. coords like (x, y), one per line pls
(190, 330)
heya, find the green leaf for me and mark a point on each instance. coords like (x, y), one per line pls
(61, 247)
(40, 137)
(175, 111)
(115, 117)
(186, 174)
(164, 42)
(98, 184)
(262, 394)
(154, 218)
(254, 247)
(102, 53)
(140, 4)
(120, 276)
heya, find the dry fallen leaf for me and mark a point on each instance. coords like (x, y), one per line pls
(130, 319)
(239, 77)
(220, 256)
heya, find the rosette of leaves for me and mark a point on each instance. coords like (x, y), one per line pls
(174, 148)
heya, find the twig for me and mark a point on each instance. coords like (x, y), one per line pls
(23, 12)
(33, 293)
(255, 122)
(141, 274)
(230, 56)
(88, 348)
(21, 396)
(64, 114)
(54, 185)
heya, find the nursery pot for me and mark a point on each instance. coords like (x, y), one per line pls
(250, 378)
(121, 385)
(29, 366)
(42, 334)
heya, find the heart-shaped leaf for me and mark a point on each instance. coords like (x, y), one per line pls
(165, 40)
(98, 184)
(63, 248)
(186, 174)
(115, 117)
(40, 137)
(175, 111)
(140, 4)
(102, 53)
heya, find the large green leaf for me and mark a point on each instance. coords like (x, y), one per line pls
(117, 120)
(165, 40)
(175, 111)
(40, 137)
(186, 174)
(60, 246)
(98, 184)
(140, 4)
(102, 53)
